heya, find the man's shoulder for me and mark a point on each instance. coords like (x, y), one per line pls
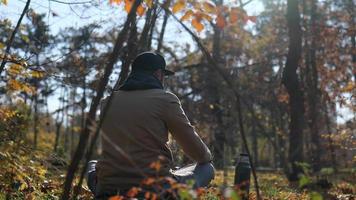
(170, 96)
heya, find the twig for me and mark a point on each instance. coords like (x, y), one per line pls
(71, 3)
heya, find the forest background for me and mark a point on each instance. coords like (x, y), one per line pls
(273, 78)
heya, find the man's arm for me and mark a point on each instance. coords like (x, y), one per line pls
(183, 132)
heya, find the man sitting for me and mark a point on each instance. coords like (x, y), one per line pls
(135, 133)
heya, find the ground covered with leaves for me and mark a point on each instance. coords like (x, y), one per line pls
(39, 174)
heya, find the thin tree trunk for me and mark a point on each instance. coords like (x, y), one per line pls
(35, 119)
(90, 120)
(163, 29)
(254, 143)
(291, 82)
(73, 123)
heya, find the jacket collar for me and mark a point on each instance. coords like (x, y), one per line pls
(141, 81)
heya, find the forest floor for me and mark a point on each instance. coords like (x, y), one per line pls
(28, 174)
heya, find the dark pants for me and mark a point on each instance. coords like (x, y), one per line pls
(201, 174)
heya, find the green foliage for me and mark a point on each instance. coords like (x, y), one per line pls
(316, 196)
(304, 180)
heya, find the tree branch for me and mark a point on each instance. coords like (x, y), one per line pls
(9, 43)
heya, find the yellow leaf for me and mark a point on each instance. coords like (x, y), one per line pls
(187, 15)
(178, 6)
(209, 7)
(149, 3)
(2, 45)
(197, 25)
(206, 16)
(349, 87)
(141, 10)
(37, 74)
(28, 89)
(15, 69)
(4, 2)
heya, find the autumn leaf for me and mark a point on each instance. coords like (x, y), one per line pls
(220, 21)
(197, 25)
(187, 15)
(153, 196)
(233, 15)
(349, 87)
(117, 197)
(141, 10)
(128, 5)
(156, 165)
(148, 181)
(115, 2)
(133, 192)
(209, 7)
(149, 3)
(4, 2)
(178, 6)
(37, 74)
(206, 16)
(200, 15)
(147, 195)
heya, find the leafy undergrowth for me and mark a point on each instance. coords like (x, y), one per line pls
(26, 173)
(29, 174)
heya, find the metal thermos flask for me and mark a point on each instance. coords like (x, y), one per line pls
(242, 176)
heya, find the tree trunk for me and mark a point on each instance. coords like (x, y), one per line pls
(313, 93)
(291, 82)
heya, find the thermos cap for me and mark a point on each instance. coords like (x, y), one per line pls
(244, 158)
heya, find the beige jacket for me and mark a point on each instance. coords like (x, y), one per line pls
(135, 134)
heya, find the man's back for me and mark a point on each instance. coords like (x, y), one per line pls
(134, 124)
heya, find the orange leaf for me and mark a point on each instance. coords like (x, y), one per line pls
(133, 192)
(148, 181)
(209, 7)
(220, 21)
(197, 25)
(115, 1)
(117, 197)
(178, 6)
(187, 15)
(233, 15)
(128, 5)
(156, 165)
(141, 10)
(153, 196)
(147, 195)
